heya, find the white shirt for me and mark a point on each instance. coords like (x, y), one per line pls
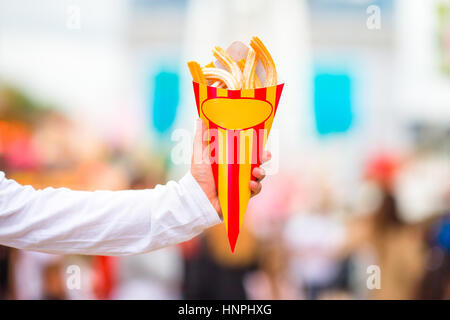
(64, 221)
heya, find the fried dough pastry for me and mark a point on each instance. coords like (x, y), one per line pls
(238, 74)
(196, 72)
(267, 61)
(222, 75)
(241, 64)
(218, 84)
(249, 70)
(231, 65)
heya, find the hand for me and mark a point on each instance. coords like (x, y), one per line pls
(202, 172)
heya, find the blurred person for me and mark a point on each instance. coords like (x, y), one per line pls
(152, 276)
(313, 240)
(382, 235)
(272, 280)
(212, 271)
(435, 283)
(30, 282)
(398, 248)
(53, 282)
(7, 265)
(114, 222)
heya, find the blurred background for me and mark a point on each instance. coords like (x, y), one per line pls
(92, 93)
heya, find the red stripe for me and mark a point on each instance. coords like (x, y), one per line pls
(211, 92)
(260, 94)
(233, 187)
(234, 94)
(197, 94)
(214, 154)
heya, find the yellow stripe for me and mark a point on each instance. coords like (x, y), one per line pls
(248, 93)
(223, 174)
(222, 92)
(245, 142)
(245, 165)
(270, 97)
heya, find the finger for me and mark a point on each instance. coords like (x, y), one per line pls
(266, 156)
(198, 131)
(255, 187)
(199, 141)
(259, 173)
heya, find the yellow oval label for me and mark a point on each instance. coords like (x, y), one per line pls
(235, 114)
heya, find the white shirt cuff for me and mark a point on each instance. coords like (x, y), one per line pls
(204, 205)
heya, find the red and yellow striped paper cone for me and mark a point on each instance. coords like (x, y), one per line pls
(238, 123)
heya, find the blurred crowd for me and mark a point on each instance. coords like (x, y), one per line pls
(298, 241)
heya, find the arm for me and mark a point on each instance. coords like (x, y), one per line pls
(114, 222)
(102, 222)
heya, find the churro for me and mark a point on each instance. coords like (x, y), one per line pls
(241, 64)
(218, 84)
(196, 72)
(240, 73)
(249, 70)
(229, 64)
(222, 75)
(267, 61)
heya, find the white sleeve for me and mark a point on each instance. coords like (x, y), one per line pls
(64, 221)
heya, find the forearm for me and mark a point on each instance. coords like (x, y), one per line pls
(103, 222)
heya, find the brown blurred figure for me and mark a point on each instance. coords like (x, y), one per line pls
(436, 281)
(7, 263)
(271, 281)
(399, 249)
(53, 285)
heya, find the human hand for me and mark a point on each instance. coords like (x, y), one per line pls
(202, 172)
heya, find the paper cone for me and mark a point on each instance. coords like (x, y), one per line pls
(239, 123)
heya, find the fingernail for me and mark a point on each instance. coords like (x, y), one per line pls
(262, 171)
